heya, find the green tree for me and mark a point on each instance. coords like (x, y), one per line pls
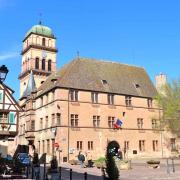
(111, 168)
(169, 100)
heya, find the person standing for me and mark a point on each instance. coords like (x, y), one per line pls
(119, 154)
(89, 158)
(81, 159)
(36, 166)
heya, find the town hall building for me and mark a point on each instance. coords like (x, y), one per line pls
(77, 107)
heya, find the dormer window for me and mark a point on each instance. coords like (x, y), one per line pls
(104, 82)
(137, 85)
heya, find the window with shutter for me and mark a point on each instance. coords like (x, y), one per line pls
(1, 96)
(11, 118)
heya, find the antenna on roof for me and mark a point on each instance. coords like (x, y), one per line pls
(40, 18)
(78, 54)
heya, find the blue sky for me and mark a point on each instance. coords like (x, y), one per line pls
(137, 32)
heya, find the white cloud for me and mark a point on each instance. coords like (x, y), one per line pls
(8, 55)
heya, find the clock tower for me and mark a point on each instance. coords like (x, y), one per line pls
(38, 56)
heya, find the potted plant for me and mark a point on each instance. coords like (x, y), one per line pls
(123, 164)
(153, 163)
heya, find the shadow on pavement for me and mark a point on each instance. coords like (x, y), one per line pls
(65, 175)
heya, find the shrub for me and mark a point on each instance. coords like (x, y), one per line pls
(100, 162)
(111, 168)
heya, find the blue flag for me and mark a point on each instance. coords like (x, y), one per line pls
(118, 123)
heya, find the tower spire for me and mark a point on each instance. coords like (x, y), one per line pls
(31, 86)
(40, 18)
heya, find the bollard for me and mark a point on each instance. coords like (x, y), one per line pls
(70, 174)
(60, 173)
(27, 173)
(85, 176)
(168, 170)
(44, 171)
(103, 173)
(130, 164)
(173, 167)
(32, 172)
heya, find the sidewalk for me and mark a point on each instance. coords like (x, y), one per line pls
(79, 169)
(139, 171)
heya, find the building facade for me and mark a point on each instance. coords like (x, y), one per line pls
(75, 108)
(9, 118)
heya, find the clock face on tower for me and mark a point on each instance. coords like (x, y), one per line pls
(44, 54)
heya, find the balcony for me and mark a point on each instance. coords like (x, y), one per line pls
(29, 135)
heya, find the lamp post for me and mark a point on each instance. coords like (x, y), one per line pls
(3, 73)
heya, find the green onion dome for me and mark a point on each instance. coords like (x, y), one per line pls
(41, 30)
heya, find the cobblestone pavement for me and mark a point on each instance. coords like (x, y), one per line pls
(138, 172)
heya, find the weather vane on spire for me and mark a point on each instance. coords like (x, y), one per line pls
(40, 18)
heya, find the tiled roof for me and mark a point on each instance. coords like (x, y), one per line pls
(88, 74)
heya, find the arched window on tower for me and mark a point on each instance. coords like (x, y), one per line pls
(49, 42)
(49, 65)
(43, 41)
(37, 63)
(37, 39)
(43, 64)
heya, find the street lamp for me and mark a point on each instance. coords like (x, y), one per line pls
(3, 73)
(3, 116)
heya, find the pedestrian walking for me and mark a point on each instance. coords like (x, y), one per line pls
(36, 166)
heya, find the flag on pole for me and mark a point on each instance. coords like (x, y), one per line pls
(118, 124)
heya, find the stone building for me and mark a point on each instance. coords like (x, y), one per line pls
(75, 108)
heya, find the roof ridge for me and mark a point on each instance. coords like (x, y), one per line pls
(109, 61)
